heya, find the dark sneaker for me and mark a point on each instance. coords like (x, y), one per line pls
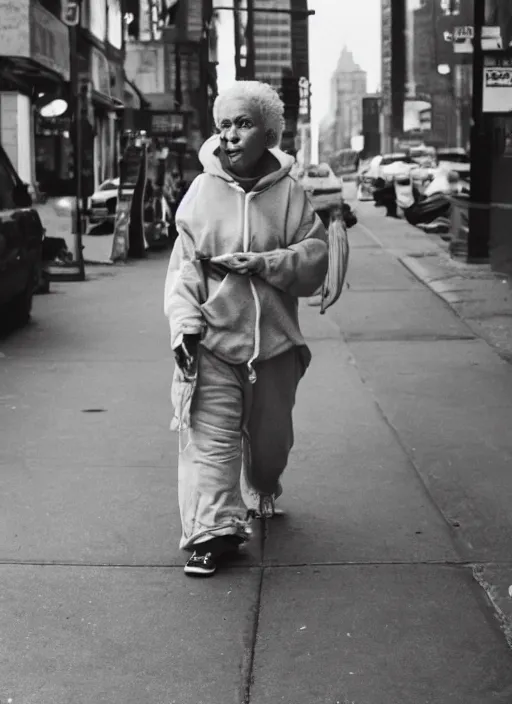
(201, 565)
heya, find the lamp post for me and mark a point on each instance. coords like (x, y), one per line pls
(478, 236)
(70, 15)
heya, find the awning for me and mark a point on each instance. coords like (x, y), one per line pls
(107, 102)
(133, 97)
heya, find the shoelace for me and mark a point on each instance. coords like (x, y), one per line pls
(203, 559)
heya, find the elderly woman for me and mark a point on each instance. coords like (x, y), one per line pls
(249, 246)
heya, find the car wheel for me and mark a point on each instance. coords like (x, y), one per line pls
(20, 307)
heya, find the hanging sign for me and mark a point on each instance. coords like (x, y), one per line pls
(497, 93)
(70, 12)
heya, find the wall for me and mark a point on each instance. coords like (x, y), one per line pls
(144, 65)
(16, 134)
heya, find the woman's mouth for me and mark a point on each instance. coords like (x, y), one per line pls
(233, 153)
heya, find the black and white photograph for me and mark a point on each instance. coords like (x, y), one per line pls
(256, 351)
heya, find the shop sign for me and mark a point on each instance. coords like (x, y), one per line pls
(70, 12)
(49, 40)
(100, 72)
(463, 37)
(166, 124)
(497, 94)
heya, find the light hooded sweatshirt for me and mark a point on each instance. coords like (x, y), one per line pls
(244, 318)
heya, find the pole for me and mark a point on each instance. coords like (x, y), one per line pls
(479, 220)
(77, 147)
(178, 95)
(236, 20)
(251, 53)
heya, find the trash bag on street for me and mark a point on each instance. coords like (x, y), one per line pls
(338, 264)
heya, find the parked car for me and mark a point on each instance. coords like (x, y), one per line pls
(21, 238)
(454, 159)
(101, 206)
(324, 188)
(365, 182)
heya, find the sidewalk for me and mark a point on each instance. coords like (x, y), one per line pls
(58, 223)
(481, 297)
(372, 590)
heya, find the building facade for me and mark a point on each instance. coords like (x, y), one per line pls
(35, 67)
(272, 42)
(272, 45)
(393, 70)
(345, 119)
(175, 67)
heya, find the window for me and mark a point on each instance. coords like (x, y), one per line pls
(98, 18)
(109, 186)
(115, 23)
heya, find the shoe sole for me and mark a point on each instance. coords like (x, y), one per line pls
(198, 572)
(278, 513)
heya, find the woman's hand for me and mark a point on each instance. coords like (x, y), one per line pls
(186, 354)
(246, 263)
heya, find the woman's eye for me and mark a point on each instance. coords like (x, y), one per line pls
(246, 124)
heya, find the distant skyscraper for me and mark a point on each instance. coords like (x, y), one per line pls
(348, 87)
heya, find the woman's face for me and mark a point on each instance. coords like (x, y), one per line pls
(242, 135)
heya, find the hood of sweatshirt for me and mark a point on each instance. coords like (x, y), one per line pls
(209, 157)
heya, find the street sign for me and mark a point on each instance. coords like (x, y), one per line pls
(497, 95)
(463, 39)
(70, 13)
(466, 32)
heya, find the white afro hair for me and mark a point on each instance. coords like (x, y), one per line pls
(264, 98)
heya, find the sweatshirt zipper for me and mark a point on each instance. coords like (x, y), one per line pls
(257, 331)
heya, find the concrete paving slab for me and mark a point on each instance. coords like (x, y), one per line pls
(496, 581)
(95, 515)
(118, 314)
(411, 314)
(396, 236)
(99, 413)
(124, 636)
(377, 270)
(349, 491)
(451, 404)
(377, 635)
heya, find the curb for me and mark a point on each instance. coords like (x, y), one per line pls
(450, 297)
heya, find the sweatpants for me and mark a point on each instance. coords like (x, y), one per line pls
(238, 443)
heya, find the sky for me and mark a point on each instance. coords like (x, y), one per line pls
(354, 23)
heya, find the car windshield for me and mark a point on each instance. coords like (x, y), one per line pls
(108, 186)
(388, 159)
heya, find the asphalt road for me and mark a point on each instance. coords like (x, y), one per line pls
(377, 586)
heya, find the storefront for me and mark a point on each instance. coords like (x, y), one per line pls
(35, 53)
(107, 83)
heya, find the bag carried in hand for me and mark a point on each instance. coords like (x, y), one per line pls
(349, 216)
(338, 263)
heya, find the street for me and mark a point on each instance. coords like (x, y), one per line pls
(385, 583)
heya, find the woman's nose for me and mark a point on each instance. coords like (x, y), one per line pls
(232, 134)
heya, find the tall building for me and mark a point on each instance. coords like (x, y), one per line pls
(272, 42)
(345, 119)
(273, 46)
(394, 61)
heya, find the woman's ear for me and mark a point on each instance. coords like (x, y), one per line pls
(270, 138)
